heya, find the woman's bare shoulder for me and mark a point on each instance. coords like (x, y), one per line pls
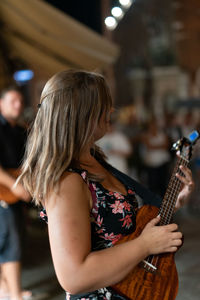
(72, 187)
(71, 178)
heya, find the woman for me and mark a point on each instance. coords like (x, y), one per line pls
(88, 208)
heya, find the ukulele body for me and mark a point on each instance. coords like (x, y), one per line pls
(143, 285)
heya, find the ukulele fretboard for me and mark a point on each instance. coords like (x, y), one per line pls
(168, 204)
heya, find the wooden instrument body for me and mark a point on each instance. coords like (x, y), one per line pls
(143, 285)
(5, 193)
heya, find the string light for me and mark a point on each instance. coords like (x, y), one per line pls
(126, 3)
(110, 22)
(117, 12)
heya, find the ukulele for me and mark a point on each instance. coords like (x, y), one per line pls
(156, 278)
(5, 193)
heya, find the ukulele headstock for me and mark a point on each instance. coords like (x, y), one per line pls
(184, 146)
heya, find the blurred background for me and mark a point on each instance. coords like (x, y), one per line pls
(149, 51)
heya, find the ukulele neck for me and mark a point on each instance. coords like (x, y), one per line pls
(169, 201)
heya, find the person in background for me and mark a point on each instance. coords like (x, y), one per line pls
(156, 157)
(116, 147)
(132, 128)
(87, 207)
(188, 123)
(12, 146)
(172, 128)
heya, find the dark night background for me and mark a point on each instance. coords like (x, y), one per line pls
(87, 12)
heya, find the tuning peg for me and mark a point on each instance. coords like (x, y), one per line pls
(176, 146)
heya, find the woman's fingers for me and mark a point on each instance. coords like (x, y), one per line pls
(177, 235)
(178, 242)
(187, 172)
(154, 221)
(172, 249)
(174, 245)
(161, 239)
(171, 227)
(186, 178)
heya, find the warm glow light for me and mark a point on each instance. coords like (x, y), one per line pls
(110, 22)
(117, 12)
(125, 3)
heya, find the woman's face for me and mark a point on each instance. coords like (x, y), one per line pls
(103, 126)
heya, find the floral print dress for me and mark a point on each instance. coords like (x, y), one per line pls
(112, 216)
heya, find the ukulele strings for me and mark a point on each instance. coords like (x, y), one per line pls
(163, 208)
(171, 195)
(168, 214)
(175, 189)
(168, 195)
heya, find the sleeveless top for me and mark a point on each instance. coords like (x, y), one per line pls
(113, 215)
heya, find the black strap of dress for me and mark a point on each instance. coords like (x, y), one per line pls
(145, 194)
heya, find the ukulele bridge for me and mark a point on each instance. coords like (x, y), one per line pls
(148, 266)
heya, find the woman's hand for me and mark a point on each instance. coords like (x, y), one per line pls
(160, 239)
(188, 187)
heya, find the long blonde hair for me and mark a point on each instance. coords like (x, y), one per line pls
(72, 103)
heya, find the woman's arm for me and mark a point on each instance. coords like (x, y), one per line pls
(80, 270)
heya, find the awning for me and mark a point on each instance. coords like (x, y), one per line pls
(52, 41)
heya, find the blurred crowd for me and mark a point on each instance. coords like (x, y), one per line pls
(143, 150)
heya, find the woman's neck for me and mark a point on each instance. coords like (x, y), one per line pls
(86, 157)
